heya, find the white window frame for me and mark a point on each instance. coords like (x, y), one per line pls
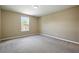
(27, 17)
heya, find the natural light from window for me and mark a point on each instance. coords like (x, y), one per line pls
(24, 23)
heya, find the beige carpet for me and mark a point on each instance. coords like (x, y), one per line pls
(37, 44)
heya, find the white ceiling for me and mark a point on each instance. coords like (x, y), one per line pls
(41, 11)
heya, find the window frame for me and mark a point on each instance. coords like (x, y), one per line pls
(27, 17)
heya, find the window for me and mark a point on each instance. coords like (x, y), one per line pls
(24, 23)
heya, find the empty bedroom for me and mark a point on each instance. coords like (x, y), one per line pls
(39, 29)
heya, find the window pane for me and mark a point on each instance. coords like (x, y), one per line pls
(24, 23)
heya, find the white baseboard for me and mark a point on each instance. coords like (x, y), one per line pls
(40, 34)
(17, 37)
(60, 38)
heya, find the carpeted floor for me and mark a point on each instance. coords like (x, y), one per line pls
(37, 44)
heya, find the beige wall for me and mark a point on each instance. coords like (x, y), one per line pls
(11, 25)
(61, 24)
(78, 23)
(0, 23)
